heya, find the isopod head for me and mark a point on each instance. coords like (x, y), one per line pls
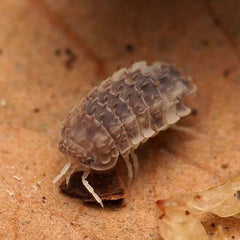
(87, 143)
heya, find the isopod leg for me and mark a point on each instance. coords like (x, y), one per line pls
(135, 163)
(69, 173)
(90, 188)
(63, 172)
(129, 168)
(184, 129)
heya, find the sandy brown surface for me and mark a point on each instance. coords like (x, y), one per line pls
(53, 53)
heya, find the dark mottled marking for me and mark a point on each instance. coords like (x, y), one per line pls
(36, 110)
(226, 73)
(187, 213)
(57, 52)
(213, 225)
(129, 47)
(72, 58)
(196, 197)
(204, 42)
(194, 112)
(224, 165)
(44, 199)
(217, 22)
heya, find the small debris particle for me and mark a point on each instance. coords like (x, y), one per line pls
(38, 184)
(86, 238)
(25, 222)
(72, 58)
(11, 193)
(57, 52)
(162, 216)
(187, 212)
(35, 188)
(3, 102)
(213, 225)
(53, 96)
(129, 47)
(204, 42)
(197, 197)
(44, 199)
(238, 194)
(224, 165)
(217, 22)
(160, 204)
(17, 178)
(194, 112)
(109, 186)
(71, 223)
(227, 228)
(68, 51)
(36, 110)
(226, 73)
(233, 237)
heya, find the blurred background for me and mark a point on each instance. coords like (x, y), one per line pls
(53, 52)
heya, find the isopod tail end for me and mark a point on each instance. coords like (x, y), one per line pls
(191, 88)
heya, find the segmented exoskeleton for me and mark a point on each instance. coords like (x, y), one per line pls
(123, 112)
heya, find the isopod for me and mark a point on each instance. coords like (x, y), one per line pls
(127, 109)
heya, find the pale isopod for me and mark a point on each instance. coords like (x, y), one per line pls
(127, 109)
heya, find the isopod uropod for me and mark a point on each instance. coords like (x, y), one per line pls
(131, 106)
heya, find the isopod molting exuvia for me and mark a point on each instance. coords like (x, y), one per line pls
(127, 109)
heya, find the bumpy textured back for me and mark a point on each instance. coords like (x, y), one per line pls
(124, 111)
